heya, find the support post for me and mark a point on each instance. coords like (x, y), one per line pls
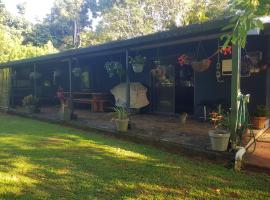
(70, 78)
(235, 88)
(127, 83)
(35, 81)
(12, 79)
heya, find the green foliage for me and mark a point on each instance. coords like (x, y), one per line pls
(261, 111)
(121, 113)
(68, 18)
(248, 13)
(131, 18)
(12, 31)
(225, 122)
(114, 68)
(137, 60)
(30, 100)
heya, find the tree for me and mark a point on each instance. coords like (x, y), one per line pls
(247, 18)
(122, 19)
(63, 25)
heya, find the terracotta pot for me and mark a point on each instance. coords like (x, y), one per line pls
(183, 118)
(258, 122)
(121, 125)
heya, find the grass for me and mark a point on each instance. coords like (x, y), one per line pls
(45, 161)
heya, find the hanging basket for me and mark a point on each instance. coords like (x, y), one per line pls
(201, 66)
(158, 72)
(137, 67)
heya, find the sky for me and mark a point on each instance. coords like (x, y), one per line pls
(35, 9)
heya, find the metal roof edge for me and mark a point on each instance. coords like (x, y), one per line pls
(184, 31)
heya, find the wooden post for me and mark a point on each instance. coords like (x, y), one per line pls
(70, 78)
(235, 87)
(127, 83)
(35, 81)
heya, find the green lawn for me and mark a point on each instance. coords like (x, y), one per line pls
(45, 161)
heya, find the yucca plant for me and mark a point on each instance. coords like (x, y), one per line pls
(121, 113)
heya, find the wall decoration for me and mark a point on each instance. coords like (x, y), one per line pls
(226, 67)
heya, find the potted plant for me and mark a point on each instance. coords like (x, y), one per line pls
(30, 103)
(201, 65)
(114, 68)
(220, 135)
(65, 110)
(121, 120)
(260, 117)
(183, 117)
(137, 63)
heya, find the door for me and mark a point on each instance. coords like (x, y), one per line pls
(184, 89)
(163, 86)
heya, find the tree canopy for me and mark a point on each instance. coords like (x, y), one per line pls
(76, 23)
(12, 31)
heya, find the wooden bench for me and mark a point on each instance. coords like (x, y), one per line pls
(98, 101)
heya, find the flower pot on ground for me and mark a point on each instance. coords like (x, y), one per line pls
(30, 103)
(259, 117)
(65, 105)
(220, 136)
(183, 117)
(137, 63)
(121, 120)
(65, 111)
(219, 139)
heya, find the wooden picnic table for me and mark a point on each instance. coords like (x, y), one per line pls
(97, 100)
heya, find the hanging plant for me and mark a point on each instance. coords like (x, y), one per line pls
(76, 71)
(114, 68)
(226, 51)
(137, 63)
(184, 60)
(159, 72)
(157, 63)
(34, 75)
(201, 65)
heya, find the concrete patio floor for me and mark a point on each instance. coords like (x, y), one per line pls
(260, 158)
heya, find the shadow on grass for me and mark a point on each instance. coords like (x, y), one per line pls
(44, 161)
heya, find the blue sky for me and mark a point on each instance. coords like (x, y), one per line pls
(35, 9)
